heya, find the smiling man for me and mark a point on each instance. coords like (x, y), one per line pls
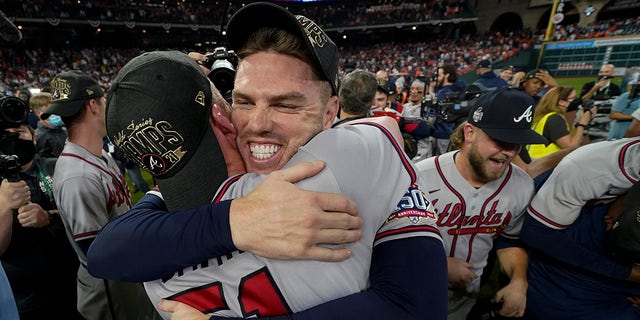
(481, 198)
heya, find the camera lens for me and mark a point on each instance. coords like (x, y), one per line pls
(223, 75)
(13, 110)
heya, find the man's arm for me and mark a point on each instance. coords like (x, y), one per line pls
(539, 237)
(514, 295)
(634, 129)
(276, 220)
(404, 285)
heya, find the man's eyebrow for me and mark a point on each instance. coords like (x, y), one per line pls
(289, 96)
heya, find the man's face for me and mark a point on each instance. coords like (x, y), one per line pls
(277, 108)
(416, 93)
(489, 158)
(102, 107)
(441, 76)
(606, 70)
(506, 74)
(380, 100)
(533, 86)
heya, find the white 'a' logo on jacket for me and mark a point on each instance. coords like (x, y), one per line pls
(525, 115)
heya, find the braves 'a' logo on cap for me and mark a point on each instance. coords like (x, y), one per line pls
(61, 89)
(154, 163)
(525, 115)
(316, 36)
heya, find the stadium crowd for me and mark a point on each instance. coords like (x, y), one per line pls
(347, 13)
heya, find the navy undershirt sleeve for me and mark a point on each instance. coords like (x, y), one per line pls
(546, 240)
(147, 243)
(408, 280)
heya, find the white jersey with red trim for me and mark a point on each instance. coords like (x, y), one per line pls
(364, 163)
(596, 173)
(89, 191)
(470, 218)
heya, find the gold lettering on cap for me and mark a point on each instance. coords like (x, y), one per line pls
(200, 98)
(89, 92)
(143, 138)
(61, 89)
(316, 36)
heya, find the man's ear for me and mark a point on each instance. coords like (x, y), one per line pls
(332, 108)
(226, 135)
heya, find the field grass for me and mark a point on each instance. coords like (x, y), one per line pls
(136, 196)
(577, 83)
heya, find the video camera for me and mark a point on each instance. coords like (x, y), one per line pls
(455, 106)
(223, 64)
(13, 112)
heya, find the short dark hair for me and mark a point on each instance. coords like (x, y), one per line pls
(357, 92)
(451, 70)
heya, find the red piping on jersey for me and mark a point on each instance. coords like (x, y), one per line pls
(484, 206)
(407, 230)
(463, 203)
(406, 162)
(122, 188)
(86, 234)
(227, 184)
(623, 152)
(545, 219)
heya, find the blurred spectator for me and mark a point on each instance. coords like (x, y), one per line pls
(50, 134)
(621, 111)
(549, 121)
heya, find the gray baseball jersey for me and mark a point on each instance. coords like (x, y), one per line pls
(363, 163)
(89, 190)
(470, 218)
(592, 174)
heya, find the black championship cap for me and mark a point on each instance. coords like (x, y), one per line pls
(158, 112)
(484, 64)
(505, 115)
(532, 74)
(623, 241)
(254, 16)
(69, 92)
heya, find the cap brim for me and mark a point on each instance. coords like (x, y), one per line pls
(259, 15)
(63, 109)
(516, 136)
(199, 179)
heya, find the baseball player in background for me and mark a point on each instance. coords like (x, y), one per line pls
(280, 110)
(571, 276)
(89, 190)
(480, 199)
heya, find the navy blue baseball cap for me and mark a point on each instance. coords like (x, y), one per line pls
(484, 64)
(250, 18)
(505, 115)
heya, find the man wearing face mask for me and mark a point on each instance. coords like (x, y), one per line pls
(51, 133)
(34, 251)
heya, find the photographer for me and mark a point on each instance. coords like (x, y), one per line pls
(621, 111)
(35, 253)
(600, 89)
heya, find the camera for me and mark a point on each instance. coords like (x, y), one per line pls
(13, 112)
(455, 106)
(222, 63)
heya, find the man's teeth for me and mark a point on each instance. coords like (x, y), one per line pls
(262, 152)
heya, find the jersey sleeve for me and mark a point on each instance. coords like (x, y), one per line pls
(165, 241)
(83, 200)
